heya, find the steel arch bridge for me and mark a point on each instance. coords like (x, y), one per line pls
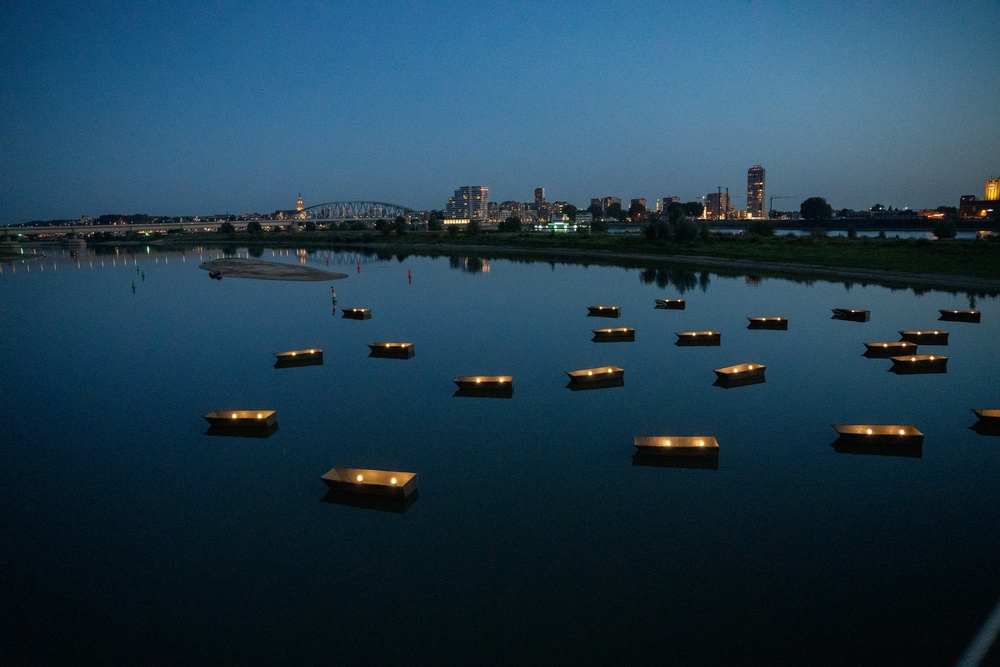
(368, 211)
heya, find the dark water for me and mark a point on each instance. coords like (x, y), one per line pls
(130, 536)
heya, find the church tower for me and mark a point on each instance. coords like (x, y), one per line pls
(299, 205)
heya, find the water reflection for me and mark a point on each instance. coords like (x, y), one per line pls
(371, 502)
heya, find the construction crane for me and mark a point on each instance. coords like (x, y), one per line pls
(771, 204)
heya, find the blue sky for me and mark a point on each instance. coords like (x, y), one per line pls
(181, 108)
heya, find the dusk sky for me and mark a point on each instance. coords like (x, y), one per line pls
(183, 108)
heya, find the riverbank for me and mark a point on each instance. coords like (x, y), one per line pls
(947, 264)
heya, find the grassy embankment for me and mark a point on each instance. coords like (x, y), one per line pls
(979, 258)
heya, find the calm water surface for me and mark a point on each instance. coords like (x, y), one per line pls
(130, 536)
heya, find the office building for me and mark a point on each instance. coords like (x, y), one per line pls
(470, 202)
(717, 206)
(755, 193)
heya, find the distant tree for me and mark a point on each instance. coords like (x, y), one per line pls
(657, 229)
(382, 225)
(227, 228)
(511, 224)
(615, 211)
(400, 225)
(596, 211)
(694, 209)
(945, 229)
(761, 228)
(570, 211)
(852, 231)
(876, 208)
(310, 226)
(636, 210)
(816, 208)
(473, 228)
(685, 231)
(844, 212)
(254, 228)
(452, 230)
(598, 226)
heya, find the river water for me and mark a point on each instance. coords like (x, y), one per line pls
(131, 536)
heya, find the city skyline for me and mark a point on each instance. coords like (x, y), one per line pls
(193, 108)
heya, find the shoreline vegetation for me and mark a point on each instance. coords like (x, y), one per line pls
(951, 264)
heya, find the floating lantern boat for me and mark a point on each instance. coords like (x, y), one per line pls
(243, 418)
(739, 376)
(879, 434)
(616, 335)
(389, 350)
(925, 337)
(740, 371)
(987, 415)
(692, 338)
(371, 482)
(885, 349)
(485, 386)
(596, 378)
(676, 445)
(671, 304)
(851, 314)
(356, 313)
(604, 311)
(989, 422)
(960, 316)
(311, 357)
(776, 323)
(484, 381)
(919, 363)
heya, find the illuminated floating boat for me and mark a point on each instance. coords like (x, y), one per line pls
(389, 350)
(775, 323)
(739, 376)
(919, 363)
(740, 371)
(356, 313)
(658, 445)
(987, 415)
(989, 422)
(616, 335)
(879, 434)
(312, 357)
(692, 338)
(485, 381)
(960, 316)
(604, 311)
(254, 419)
(851, 314)
(671, 304)
(596, 378)
(925, 337)
(885, 349)
(361, 481)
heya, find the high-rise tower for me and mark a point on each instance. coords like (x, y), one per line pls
(471, 202)
(755, 192)
(992, 190)
(299, 205)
